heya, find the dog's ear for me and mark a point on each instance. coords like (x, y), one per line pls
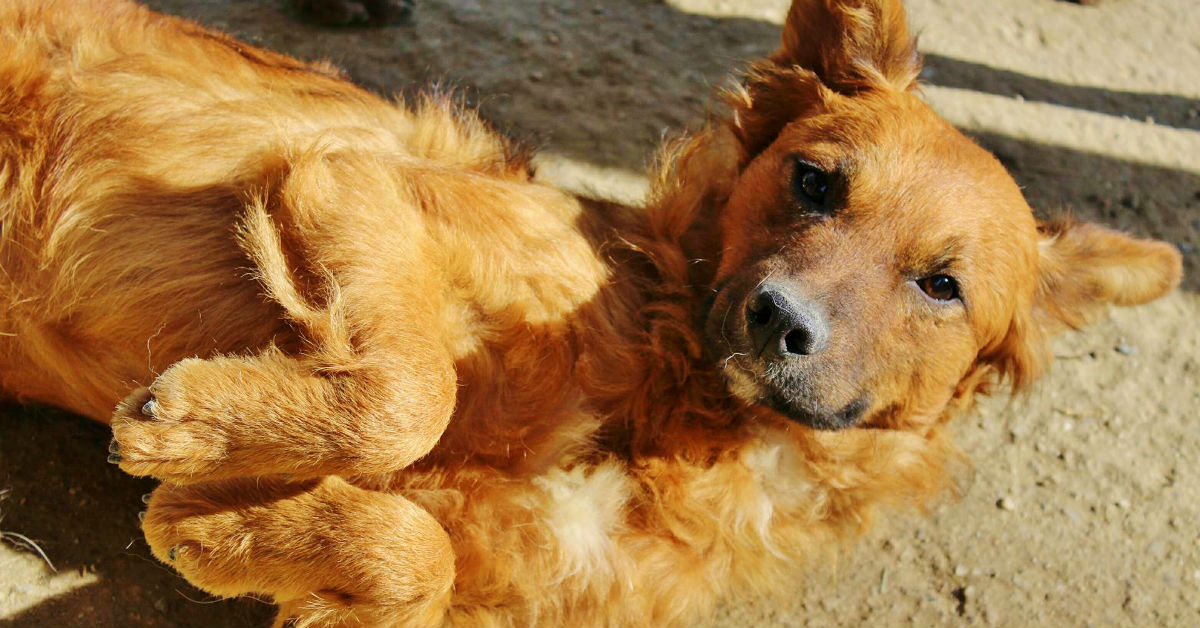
(851, 44)
(829, 47)
(1083, 267)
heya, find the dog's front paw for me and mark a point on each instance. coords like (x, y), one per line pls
(218, 535)
(172, 430)
(365, 554)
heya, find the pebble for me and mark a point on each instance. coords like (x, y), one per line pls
(1186, 247)
(1007, 503)
(960, 570)
(1125, 348)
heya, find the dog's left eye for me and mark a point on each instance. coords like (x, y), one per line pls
(940, 287)
(810, 183)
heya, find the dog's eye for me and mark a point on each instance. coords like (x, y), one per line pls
(940, 287)
(810, 183)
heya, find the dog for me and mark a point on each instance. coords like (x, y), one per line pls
(387, 378)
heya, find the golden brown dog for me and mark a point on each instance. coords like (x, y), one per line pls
(392, 380)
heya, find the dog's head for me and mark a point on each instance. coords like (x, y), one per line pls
(870, 263)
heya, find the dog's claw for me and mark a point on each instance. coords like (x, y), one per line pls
(148, 408)
(114, 447)
(142, 517)
(146, 498)
(114, 458)
(171, 554)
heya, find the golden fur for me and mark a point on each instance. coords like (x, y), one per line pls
(392, 380)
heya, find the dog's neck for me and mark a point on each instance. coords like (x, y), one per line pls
(644, 363)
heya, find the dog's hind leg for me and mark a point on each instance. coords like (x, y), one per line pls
(329, 552)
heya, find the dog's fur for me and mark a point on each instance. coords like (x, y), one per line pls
(403, 383)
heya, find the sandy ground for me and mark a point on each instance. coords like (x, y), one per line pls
(1083, 505)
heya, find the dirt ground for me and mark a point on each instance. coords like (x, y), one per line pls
(1083, 504)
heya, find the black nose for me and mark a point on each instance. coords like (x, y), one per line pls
(784, 325)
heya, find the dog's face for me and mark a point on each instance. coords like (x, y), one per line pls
(868, 254)
(874, 262)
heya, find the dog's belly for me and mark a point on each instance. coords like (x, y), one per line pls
(123, 172)
(123, 298)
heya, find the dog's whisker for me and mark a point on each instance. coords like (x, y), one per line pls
(725, 364)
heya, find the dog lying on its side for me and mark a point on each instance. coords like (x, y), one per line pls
(444, 393)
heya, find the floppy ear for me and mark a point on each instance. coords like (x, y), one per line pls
(851, 44)
(829, 47)
(1083, 267)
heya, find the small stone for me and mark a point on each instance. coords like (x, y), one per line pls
(160, 605)
(536, 75)
(1125, 348)
(1007, 503)
(552, 37)
(960, 571)
(1186, 247)
(1123, 504)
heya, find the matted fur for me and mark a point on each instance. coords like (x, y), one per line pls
(392, 380)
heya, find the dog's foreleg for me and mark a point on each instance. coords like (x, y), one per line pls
(328, 552)
(372, 390)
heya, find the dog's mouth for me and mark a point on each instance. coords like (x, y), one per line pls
(793, 402)
(848, 416)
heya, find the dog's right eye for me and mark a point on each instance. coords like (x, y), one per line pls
(810, 184)
(939, 287)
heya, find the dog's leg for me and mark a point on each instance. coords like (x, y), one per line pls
(228, 417)
(372, 390)
(330, 553)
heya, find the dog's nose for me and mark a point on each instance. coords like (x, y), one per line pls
(781, 324)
